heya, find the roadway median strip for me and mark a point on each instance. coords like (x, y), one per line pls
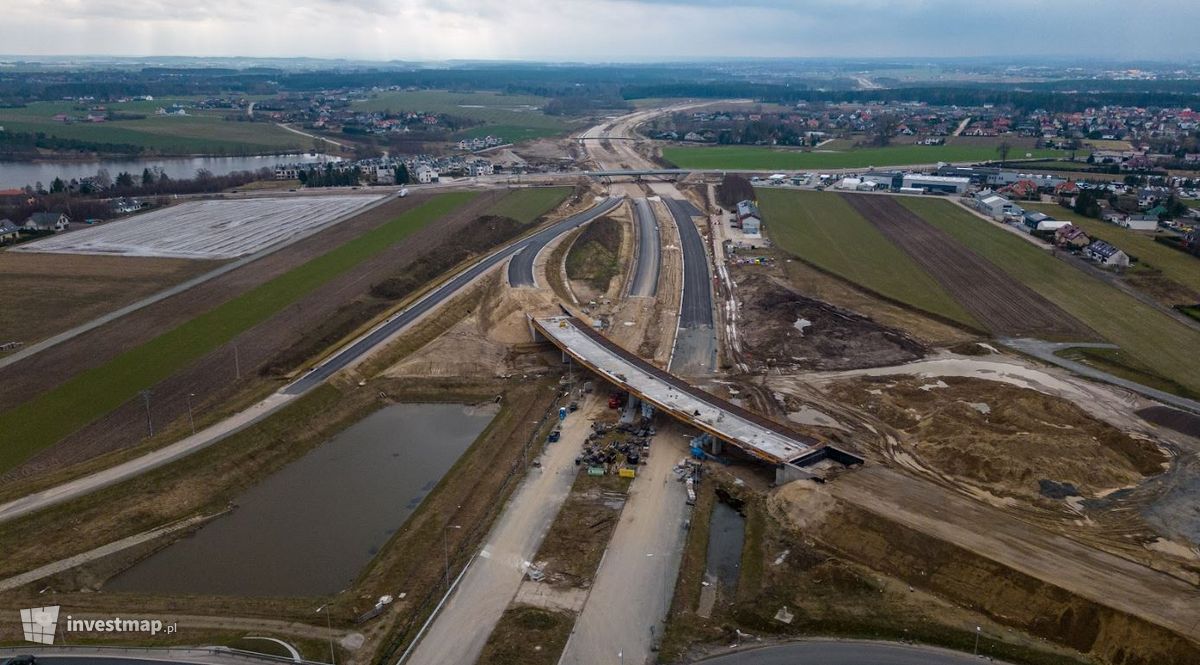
(40, 422)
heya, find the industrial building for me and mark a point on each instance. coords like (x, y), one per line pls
(936, 183)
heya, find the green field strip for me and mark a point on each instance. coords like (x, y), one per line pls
(824, 230)
(527, 205)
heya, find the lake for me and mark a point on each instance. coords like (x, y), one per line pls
(312, 527)
(20, 174)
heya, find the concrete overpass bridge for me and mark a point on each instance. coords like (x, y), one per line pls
(789, 452)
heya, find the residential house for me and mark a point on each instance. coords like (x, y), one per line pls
(1106, 254)
(426, 175)
(9, 232)
(47, 221)
(1071, 237)
(747, 211)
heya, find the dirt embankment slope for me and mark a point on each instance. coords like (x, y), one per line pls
(1114, 611)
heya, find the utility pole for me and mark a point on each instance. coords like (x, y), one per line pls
(149, 421)
(237, 362)
(446, 552)
(191, 420)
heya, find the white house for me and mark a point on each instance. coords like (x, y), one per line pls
(426, 175)
(47, 221)
(1105, 254)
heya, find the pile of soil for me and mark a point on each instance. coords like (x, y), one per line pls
(783, 328)
(1005, 439)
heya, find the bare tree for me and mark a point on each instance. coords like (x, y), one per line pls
(1003, 149)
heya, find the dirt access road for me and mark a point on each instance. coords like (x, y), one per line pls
(1104, 578)
(1006, 306)
(625, 610)
(461, 630)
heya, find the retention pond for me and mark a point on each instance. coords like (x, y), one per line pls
(312, 527)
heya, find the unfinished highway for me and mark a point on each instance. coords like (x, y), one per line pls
(649, 249)
(695, 351)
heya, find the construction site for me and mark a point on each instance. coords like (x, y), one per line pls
(667, 445)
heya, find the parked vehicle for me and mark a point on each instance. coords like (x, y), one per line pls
(553, 438)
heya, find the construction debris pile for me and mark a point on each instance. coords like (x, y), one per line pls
(618, 448)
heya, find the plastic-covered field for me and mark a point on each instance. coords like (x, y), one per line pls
(206, 229)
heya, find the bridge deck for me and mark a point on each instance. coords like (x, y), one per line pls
(751, 432)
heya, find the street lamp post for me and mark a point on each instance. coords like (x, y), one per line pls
(446, 551)
(191, 420)
(328, 632)
(977, 629)
(149, 420)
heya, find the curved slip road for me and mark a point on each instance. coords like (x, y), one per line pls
(695, 350)
(649, 248)
(520, 269)
(341, 359)
(848, 652)
(522, 252)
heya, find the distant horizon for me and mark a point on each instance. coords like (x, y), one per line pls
(1028, 60)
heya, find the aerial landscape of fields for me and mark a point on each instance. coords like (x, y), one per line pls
(385, 334)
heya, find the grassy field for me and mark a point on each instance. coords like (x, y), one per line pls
(512, 117)
(823, 229)
(1156, 341)
(49, 417)
(1176, 265)
(765, 158)
(201, 132)
(526, 205)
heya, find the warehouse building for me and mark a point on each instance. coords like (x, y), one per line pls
(936, 183)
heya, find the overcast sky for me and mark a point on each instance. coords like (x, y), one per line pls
(601, 30)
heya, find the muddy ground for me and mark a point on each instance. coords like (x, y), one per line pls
(1007, 440)
(999, 301)
(783, 329)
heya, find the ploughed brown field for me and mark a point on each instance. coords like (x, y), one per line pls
(44, 294)
(1004, 305)
(215, 376)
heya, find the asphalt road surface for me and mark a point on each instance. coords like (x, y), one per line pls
(649, 248)
(520, 269)
(847, 652)
(695, 344)
(520, 273)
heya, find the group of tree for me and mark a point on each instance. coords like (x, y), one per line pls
(330, 177)
(734, 188)
(88, 198)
